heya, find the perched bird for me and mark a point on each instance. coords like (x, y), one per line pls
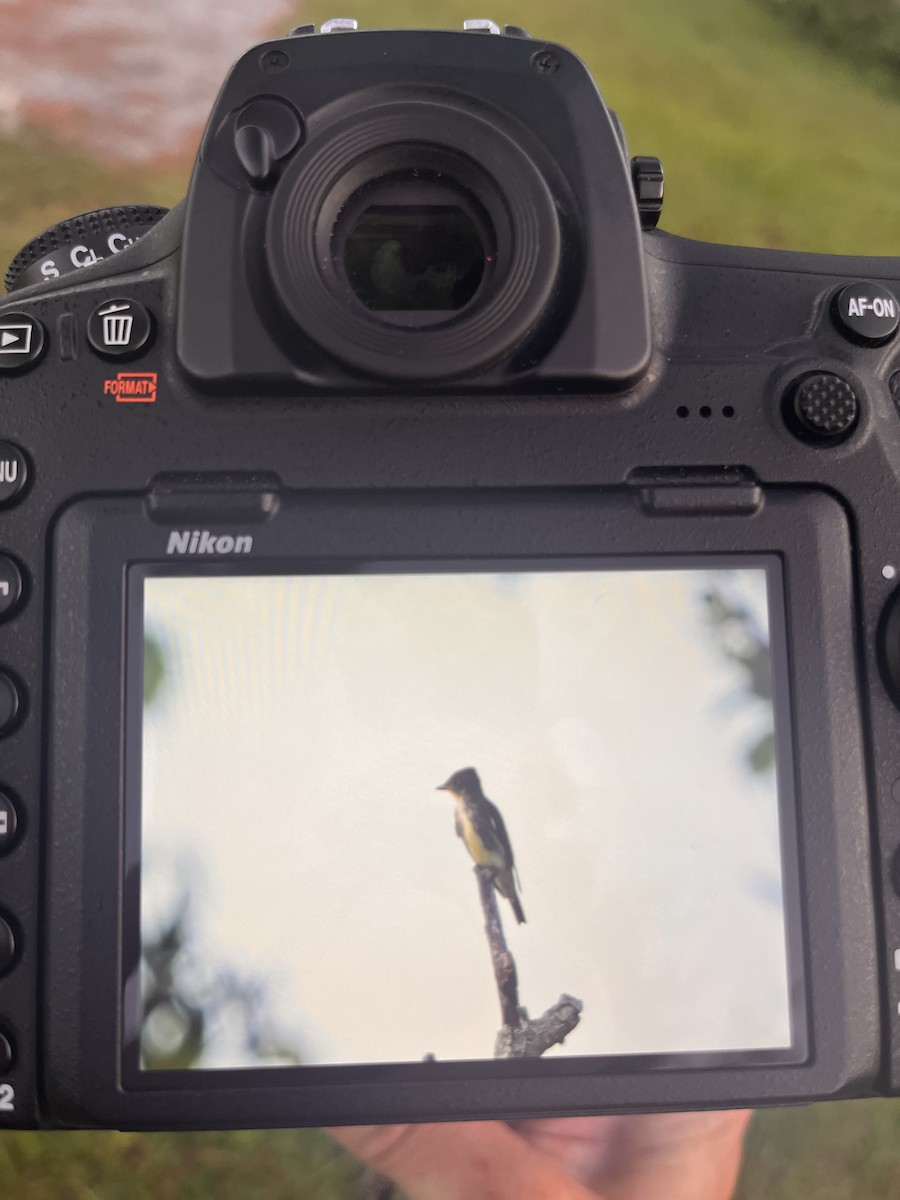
(479, 824)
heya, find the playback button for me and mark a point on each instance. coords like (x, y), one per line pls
(22, 342)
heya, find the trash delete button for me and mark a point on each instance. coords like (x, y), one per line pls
(22, 342)
(119, 328)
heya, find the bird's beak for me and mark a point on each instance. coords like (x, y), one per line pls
(443, 787)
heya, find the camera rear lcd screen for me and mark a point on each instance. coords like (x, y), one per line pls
(343, 775)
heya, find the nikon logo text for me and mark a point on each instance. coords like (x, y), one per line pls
(201, 541)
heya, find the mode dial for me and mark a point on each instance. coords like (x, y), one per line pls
(80, 242)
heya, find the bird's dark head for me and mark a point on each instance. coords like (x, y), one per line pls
(464, 783)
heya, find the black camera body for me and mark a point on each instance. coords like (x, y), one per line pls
(404, 385)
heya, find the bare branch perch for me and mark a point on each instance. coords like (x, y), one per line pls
(503, 961)
(533, 1038)
(520, 1037)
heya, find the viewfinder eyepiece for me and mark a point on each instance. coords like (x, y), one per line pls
(415, 242)
(415, 247)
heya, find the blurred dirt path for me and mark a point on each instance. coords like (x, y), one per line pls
(126, 80)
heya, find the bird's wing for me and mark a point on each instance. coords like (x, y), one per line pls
(499, 829)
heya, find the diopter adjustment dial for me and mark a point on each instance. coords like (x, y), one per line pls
(80, 242)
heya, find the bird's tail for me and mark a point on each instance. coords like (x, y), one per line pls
(506, 886)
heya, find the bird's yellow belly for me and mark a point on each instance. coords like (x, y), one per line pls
(476, 847)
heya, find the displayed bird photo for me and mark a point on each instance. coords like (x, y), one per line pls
(357, 789)
(480, 825)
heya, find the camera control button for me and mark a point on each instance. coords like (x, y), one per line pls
(13, 472)
(340, 25)
(649, 182)
(7, 1054)
(822, 408)
(10, 586)
(867, 312)
(8, 947)
(80, 242)
(119, 328)
(265, 132)
(889, 649)
(9, 824)
(10, 702)
(22, 342)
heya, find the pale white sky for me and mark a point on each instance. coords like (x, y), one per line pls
(290, 768)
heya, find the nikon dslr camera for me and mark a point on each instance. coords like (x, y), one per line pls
(450, 644)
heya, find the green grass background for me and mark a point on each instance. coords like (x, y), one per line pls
(847, 1151)
(766, 141)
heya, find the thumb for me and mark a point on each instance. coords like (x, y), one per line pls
(478, 1161)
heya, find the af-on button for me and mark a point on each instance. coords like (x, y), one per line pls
(866, 312)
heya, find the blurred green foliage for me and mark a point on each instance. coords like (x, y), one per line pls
(281, 1165)
(864, 32)
(154, 669)
(42, 182)
(746, 645)
(767, 138)
(824, 1152)
(847, 1151)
